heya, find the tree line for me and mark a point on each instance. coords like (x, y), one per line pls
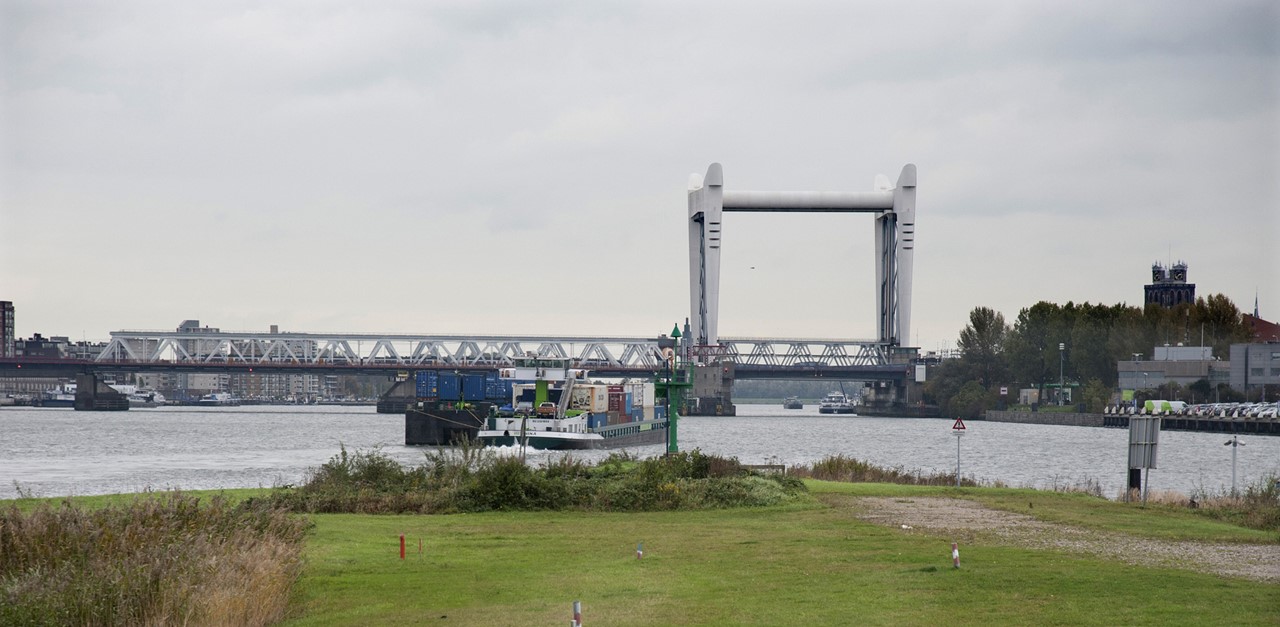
(1093, 338)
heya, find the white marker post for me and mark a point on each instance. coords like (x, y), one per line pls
(577, 614)
(958, 430)
(955, 554)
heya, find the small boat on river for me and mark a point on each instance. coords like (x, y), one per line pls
(836, 403)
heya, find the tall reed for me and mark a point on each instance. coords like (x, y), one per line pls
(157, 560)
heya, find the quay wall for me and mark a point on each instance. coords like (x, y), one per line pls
(1046, 418)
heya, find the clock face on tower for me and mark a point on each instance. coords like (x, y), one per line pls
(1156, 275)
(1179, 275)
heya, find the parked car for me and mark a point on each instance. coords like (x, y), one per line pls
(547, 408)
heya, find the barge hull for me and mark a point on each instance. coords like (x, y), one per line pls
(442, 424)
(616, 436)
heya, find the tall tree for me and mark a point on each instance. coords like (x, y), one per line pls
(1036, 330)
(982, 345)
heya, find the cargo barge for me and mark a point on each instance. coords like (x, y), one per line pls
(554, 407)
(451, 408)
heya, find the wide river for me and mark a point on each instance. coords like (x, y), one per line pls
(58, 452)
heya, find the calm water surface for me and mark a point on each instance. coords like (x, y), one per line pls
(57, 452)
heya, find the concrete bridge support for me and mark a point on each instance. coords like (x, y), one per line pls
(94, 395)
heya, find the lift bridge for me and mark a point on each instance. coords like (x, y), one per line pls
(882, 358)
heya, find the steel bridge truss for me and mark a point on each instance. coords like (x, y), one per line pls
(804, 353)
(413, 351)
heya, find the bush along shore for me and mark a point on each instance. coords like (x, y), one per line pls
(176, 558)
(466, 479)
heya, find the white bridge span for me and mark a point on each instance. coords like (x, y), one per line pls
(426, 351)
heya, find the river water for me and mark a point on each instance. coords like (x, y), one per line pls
(60, 452)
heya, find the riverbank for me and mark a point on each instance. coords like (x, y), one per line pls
(1073, 419)
(1214, 424)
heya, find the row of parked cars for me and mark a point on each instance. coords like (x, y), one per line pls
(1235, 410)
(1179, 408)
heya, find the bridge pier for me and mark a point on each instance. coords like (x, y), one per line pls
(94, 395)
(712, 393)
(399, 398)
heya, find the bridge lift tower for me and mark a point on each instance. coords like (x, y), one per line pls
(895, 221)
(895, 213)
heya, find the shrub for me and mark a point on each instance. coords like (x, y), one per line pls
(471, 480)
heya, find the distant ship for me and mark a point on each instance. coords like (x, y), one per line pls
(218, 399)
(139, 397)
(836, 403)
(792, 402)
(62, 396)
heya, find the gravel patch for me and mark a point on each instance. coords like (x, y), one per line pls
(969, 521)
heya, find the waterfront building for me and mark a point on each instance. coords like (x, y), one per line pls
(39, 346)
(1183, 365)
(7, 337)
(1255, 366)
(1169, 286)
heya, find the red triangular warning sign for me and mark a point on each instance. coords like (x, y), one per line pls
(959, 425)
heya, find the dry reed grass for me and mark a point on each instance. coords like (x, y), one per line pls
(849, 469)
(159, 560)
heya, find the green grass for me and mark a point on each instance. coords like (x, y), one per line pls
(793, 564)
(231, 495)
(1163, 522)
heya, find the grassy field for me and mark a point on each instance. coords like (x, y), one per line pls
(796, 564)
(804, 563)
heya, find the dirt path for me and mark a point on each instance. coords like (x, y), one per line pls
(968, 521)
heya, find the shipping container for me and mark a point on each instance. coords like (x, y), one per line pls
(627, 403)
(615, 418)
(581, 398)
(642, 394)
(615, 401)
(473, 388)
(450, 386)
(426, 384)
(498, 390)
(596, 420)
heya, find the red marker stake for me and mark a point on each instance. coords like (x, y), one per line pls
(402, 546)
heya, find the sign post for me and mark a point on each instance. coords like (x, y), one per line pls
(958, 430)
(1144, 435)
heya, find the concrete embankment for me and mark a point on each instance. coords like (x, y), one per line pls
(1217, 424)
(1046, 418)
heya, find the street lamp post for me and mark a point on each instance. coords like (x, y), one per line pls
(1062, 360)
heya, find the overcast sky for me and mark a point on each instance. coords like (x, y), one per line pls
(522, 167)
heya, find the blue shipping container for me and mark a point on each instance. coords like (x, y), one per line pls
(426, 384)
(450, 386)
(497, 389)
(473, 387)
(627, 403)
(597, 420)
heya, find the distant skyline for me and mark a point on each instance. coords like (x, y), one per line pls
(509, 167)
